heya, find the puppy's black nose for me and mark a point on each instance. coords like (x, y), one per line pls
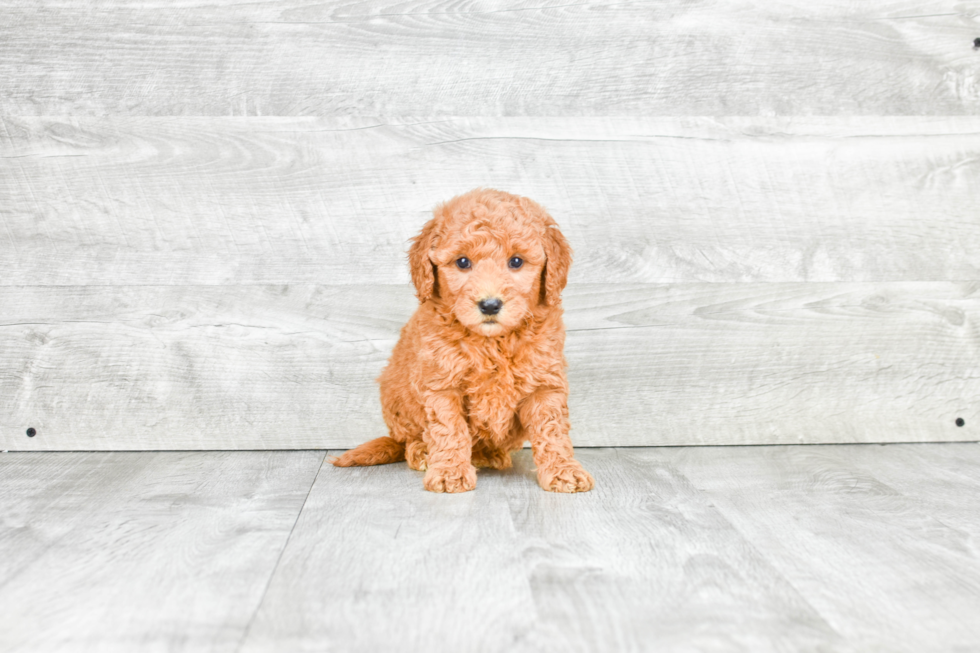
(490, 306)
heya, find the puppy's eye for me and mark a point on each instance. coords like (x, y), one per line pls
(463, 263)
(515, 262)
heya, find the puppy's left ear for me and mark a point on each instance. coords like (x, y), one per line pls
(421, 266)
(554, 275)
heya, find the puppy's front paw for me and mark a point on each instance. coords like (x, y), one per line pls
(450, 479)
(567, 476)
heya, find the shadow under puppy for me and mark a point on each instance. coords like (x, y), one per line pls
(479, 368)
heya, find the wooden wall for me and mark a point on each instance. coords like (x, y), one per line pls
(204, 209)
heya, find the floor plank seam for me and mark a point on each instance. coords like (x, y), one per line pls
(703, 495)
(275, 567)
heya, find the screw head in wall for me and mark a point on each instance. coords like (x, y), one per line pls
(31, 432)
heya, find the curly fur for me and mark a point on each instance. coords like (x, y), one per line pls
(463, 389)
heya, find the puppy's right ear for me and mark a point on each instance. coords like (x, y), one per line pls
(421, 266)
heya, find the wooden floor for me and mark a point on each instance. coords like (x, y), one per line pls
(778, 548)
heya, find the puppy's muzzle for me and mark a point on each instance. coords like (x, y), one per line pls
(490, 306)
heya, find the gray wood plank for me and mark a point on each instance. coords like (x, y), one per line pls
(141, 551)
(939, 481)
(640, 563)
(884, 568)
(266, 367)
(208, 367)
(775, 363)
(376, 563)
(288, 200)
(488, 58)
(677, 549)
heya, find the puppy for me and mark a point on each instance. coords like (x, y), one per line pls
(479, 368)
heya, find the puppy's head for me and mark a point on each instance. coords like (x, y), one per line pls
(491, 258)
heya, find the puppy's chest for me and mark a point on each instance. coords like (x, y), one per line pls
(493, 387)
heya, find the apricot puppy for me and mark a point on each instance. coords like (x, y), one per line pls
(479, 368)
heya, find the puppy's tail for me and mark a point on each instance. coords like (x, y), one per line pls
(376, 452)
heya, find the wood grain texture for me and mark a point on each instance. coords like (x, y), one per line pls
(641, 563)
(377, 563)
(334, 201)
(819, 548)
(484, 57)
(265, 367)
(141, 551)
(890, 566)
(166, 367)
(942, 482)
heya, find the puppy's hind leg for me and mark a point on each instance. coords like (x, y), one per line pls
(402, 420)
(486, 454)
(416, 455)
